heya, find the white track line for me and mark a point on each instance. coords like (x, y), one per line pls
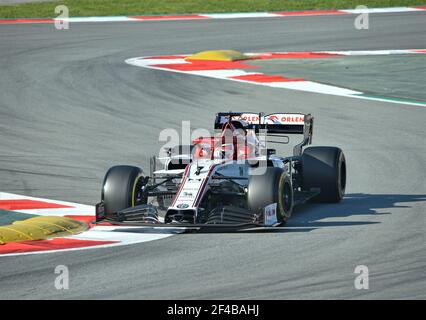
(382, 10)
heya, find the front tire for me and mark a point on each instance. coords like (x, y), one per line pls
(324, 168)
(119, 188)
(274, 186)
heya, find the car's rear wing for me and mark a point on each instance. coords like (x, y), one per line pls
(274, 123)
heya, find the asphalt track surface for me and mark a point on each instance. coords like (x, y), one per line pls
(70, 108)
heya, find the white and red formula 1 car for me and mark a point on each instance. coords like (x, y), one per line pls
(231, 179)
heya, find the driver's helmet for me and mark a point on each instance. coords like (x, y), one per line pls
(225, 151)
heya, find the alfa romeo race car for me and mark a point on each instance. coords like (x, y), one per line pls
(230, 179)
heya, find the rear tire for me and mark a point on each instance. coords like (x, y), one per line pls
(324, 168)
(119, 188)
(274, 186)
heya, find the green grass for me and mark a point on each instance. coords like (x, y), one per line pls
(80, 8)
